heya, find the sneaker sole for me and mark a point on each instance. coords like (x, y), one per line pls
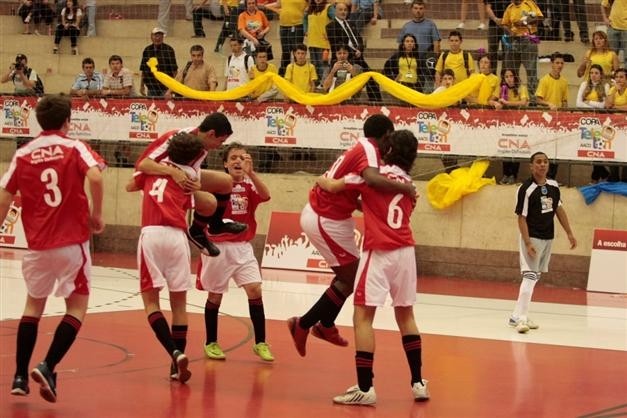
(213, 357)
(45, 390)
(19, 392)
(184, 374)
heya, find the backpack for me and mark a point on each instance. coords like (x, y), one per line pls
(186, 70)
(466, 55)
(246, 57)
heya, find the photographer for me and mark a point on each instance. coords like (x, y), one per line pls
(24, 78)
(341, 70)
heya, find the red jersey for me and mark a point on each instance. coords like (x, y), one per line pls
(164, 202)
(49, 172)
(341, 205)
(241, 208)
(386, 215)
(158, 151)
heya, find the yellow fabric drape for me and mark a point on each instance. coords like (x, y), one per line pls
(440, 100)
(445, 189)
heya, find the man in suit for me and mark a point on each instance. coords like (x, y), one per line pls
(341, 32)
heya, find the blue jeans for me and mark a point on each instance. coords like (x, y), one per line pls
(315, 56)
(618, 42)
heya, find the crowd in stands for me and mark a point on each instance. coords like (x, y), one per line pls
(322, 46)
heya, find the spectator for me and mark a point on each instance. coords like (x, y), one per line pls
(561, 13)
(267, 90)
(301, 73)
(198, 14)
(428, 37)
(594, 90)
(341, 32)
(448, 80)
(229, 26)
(197, 74)
(42, 12)
(617, 99)
(70, 23)
(341, 71)
(456, 59)
(403, 66)
(253, 26)
(25, 12)
(601, 54)
(615, 17)
(89, 83)
(520, 21)
(319, 14)
(364, 12)
(464, 10)
(149, 85)
(495, 10)
(90, 11)
(119, 80)
(24, 78)
(485, 68)
(512, 94)
(237, 65)
(291, 28)
(163, 13)
(553, 92)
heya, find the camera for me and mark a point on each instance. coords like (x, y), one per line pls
(19, 66)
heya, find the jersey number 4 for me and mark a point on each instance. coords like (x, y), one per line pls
(158, 188)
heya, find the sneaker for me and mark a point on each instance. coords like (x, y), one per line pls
(531, 324)
(198, 237)
(299, 335)
(47, 380)
(481, 26)
(263, 351)
(460, 26)
(354, 396)
(55, 50)
(227, 228)
(74, 51)
(182, 362)
(331, 335)
(214, 352)
(520, 324)
(421, 393)
(20, 386)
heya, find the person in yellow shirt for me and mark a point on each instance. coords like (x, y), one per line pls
(456, 59)
(301, 73)
(319, 15)
(553, 92)
(291, 29)
(617, 99)
(267, 90)
(594, 90)
(520, 22)
(599, 54)
(485, 68)
(615, 17)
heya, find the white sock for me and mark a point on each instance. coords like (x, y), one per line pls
(524, 296)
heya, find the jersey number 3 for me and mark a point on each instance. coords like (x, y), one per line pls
(50, 178)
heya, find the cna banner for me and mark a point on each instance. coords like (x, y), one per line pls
(562, 135)
(12, 231)
(287, 246)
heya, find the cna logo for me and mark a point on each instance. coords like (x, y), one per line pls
(433, 132)
(143, 122)
(512, 144)
(280, 126)
(348, 138)
(45, 154)
(595, 139)
(80, 129)
(15, 117)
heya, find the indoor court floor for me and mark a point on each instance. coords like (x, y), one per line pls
(574, 365)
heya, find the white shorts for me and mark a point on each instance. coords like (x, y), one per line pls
(334, 240)
(236, 260)
(540, 263)
(70, 266)
(383, 272)
(163, 258)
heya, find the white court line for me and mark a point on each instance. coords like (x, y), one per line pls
(116, 289)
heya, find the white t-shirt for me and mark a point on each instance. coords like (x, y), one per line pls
(235, 70)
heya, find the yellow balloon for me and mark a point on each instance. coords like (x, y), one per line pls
(344, 92)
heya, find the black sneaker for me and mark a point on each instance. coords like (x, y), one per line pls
(227, 228)
(182, 362)
(198, 237)
(20, 386)
(47, 380)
